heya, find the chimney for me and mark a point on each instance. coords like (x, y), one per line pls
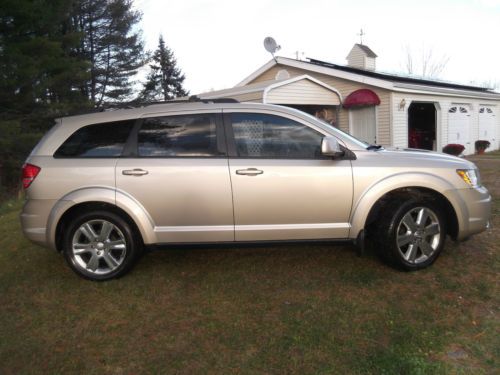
(361, 57)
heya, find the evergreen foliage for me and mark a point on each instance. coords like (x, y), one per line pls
(62, 57)
(165, 79)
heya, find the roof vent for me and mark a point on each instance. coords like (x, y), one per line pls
(361, 57)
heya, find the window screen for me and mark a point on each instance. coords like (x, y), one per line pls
(98, 140)
(178, 136)
(267, 136)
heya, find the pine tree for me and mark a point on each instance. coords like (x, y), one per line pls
(165, 79)
(111, 44)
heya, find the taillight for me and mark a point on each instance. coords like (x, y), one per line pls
(30, 172)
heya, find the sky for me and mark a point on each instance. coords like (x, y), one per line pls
(218, 43)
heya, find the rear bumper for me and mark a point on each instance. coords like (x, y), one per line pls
(473, 209)
(34, 220)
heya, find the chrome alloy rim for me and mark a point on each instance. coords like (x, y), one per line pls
(418, 235)
(99, 247)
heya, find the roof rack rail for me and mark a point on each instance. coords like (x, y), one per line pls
(136, 104)
(195, 99)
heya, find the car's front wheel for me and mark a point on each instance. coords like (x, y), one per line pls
(100, 246)
(411, 234)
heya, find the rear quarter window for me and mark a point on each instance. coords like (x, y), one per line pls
(104, 140)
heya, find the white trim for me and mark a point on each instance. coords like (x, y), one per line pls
(295, 79)
(257, 73)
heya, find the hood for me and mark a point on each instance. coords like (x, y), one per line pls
(425, 157)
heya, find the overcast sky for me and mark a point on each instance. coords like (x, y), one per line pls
(218, 43)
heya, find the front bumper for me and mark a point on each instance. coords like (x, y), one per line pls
(473, 209)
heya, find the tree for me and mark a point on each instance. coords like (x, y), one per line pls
(427, 66)
(165, 80)
(39, 77)
(112, 45)
(37, 70)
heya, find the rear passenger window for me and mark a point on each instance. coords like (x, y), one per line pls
(96, 141)
(178, 136)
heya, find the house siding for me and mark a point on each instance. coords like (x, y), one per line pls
(302, 92)
(345, 87)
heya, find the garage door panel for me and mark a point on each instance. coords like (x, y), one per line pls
(488, 126)
(459, 124)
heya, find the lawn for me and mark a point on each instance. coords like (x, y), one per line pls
(302, 309)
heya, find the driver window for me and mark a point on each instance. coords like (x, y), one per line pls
(267, 136)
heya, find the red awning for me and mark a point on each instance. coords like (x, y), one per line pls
(361, 98)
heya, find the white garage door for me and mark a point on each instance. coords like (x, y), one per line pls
(459, 123)
(487, 126)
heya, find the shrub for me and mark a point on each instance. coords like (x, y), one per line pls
(453, 149)
(482, 145)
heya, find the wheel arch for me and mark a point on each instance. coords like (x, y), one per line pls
(91, 199)
(369, 205)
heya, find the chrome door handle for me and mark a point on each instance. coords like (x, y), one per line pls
(134, 172)
(249, 172)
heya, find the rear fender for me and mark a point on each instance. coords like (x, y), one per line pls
(105, 195)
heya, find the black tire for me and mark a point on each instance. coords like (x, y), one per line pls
(392, 225)
(121, 257)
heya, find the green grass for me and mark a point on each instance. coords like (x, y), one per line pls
(301, 309)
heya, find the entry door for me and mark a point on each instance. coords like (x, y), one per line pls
(459, 123)
(181, 179)
(363, 124)
(282, 187)
(487, 128)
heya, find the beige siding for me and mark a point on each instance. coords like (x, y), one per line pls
(345, 87)
(443, 104)
(356, 58)
(302, 92)
(249, 97)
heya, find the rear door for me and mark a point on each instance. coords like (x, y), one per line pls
(178, 171)
(283, 188)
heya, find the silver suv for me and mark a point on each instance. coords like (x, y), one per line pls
(101, 187)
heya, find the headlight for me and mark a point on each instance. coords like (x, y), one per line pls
(470, 176)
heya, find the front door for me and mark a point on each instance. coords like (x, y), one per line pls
(180, 175)
(363, 124)
(283, 188)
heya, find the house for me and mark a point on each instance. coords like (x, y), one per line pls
(376, 107)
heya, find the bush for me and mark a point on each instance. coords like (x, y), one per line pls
(453, 149)
(482, 145)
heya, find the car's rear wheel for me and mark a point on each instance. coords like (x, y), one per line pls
(100, 246)
(411, 234)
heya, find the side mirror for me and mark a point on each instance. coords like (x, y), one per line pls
(330, 147)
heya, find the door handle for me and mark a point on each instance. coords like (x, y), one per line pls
(249, 172)
(134, 172)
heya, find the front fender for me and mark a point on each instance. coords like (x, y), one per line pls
(368, 198)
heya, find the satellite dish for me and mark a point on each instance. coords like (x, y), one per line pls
(271, 46)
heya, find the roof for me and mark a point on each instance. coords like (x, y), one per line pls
(395, 77)
(387, 81)
(366, 50)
